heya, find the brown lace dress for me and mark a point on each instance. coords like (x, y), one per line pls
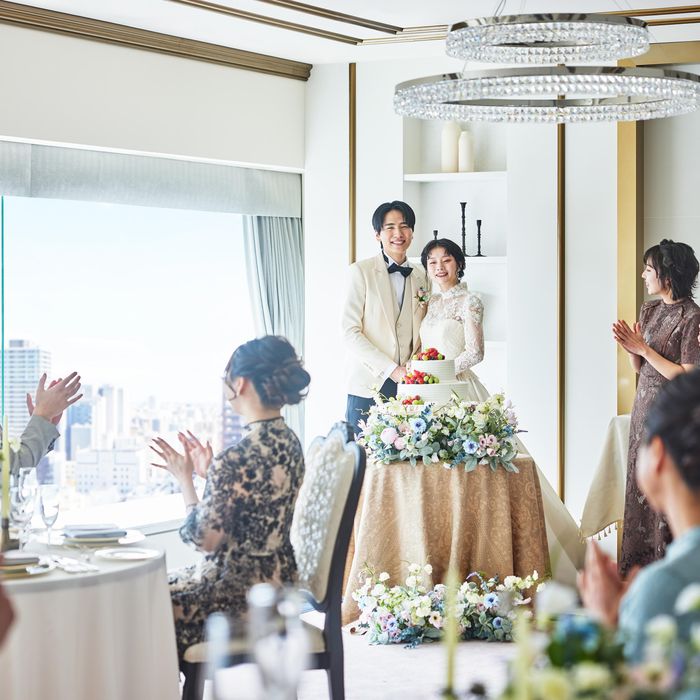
(249, 495)
(671, 330)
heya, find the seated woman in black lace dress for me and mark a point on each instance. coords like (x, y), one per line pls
(242, 522)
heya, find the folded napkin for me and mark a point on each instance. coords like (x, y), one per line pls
(17, 558)
(76, 532)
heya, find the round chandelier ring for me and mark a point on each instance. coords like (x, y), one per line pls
(556, 95)
(548, 39)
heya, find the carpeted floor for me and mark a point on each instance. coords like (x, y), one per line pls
(388, 672)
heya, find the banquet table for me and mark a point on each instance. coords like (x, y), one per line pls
(605, 503)
(472, 521)
(107, 635)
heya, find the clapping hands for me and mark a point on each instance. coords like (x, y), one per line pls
(51, 401)
(630, 339)
(196, 458)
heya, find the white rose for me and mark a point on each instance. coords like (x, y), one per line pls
(555, 599)
(661, 629)
(511, 581)
(384, 576)
(414, 569)
(552, 684)
(428, 569)
(590, 677)
(411, 581)
(688, 600)
(379, 589)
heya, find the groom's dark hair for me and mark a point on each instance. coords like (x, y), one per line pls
(409, 216)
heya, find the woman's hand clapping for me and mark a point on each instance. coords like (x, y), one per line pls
(200, 455)
(630, 339)
(179, 465)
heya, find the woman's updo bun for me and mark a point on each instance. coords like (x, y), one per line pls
(271, 363)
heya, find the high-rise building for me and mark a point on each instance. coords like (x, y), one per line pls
(109, 419)
(24, 365)
(107, 470)
(80, 416)
(79, 438)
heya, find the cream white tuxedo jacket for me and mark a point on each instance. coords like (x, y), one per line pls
(375, 331)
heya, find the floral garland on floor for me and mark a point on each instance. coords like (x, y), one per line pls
(410, 613)
(458, 432)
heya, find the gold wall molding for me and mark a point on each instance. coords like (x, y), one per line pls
(352, 162)
(630, 246)
(108, 32)
(672, 53)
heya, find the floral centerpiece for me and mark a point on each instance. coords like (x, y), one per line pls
(411, 613)
(458, 432)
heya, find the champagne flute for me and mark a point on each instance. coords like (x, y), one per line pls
(49, 504)
(21, 513)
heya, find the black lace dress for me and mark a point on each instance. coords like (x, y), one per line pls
(249, 495)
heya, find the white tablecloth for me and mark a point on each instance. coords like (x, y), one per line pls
(605, 503)
(107, 636)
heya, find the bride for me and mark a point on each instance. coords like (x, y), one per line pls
(453, 324)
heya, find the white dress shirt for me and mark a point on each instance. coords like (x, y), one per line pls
(398, 282)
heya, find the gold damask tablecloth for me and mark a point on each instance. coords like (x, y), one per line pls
(475, 521)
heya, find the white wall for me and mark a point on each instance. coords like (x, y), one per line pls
(326, 243)
(671, 179)
(591, 289)
(67, 90)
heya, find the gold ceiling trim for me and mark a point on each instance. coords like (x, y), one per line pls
(672, 53)
(270, 21)
(655, 11)
(108, 32)
(335, 16)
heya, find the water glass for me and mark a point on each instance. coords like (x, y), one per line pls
(49, 504)
(278, 640)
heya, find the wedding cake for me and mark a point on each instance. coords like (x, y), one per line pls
(433, 380)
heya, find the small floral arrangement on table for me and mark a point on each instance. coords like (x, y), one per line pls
(423, 296)
(395, 432)
(411, 613)
(480, 433)
(459, 432)
(580, 658)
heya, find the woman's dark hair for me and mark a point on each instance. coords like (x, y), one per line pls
(451, 248)
(271, 363)
(676, 265)
(409, 216)
(674, 417)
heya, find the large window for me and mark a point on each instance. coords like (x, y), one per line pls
(147, 305)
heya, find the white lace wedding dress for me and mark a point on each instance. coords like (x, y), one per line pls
(453, 324)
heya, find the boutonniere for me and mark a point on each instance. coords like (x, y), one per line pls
(422, 296)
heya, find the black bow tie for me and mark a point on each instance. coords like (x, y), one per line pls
(404, 270)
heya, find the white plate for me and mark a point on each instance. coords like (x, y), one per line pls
(127, 554)
(58, 538)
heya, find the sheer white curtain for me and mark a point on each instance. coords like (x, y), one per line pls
(275, 264)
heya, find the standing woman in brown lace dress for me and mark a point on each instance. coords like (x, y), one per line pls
(662, 345)
(242, 522)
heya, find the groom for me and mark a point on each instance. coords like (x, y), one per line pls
(382, 315)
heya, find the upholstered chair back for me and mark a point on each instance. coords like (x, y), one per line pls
(331, 464)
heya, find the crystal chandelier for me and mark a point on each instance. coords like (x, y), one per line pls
(553, 93)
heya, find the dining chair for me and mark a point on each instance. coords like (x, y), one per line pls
(322, 524)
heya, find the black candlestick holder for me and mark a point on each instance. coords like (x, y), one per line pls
(435, 234)
(479, 254)
(464, 229)
(7, 542)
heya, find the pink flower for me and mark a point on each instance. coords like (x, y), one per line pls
(491, 452)
(491, 440)
(482, 441)
(399, 443)
(388, 436)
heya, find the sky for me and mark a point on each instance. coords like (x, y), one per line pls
(152, 300)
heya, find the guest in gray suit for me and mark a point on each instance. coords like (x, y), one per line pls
(45, 413)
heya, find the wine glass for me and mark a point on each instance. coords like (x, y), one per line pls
(278, 639)
(49, 504)
(21, 512)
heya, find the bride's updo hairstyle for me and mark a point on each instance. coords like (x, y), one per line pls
(271, 363)
(676, 265)
(452, 249)
(674, 417)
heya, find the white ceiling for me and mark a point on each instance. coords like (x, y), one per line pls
(179, 20)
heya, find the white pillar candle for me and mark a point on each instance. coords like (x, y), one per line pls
(466, 152)
(448, 142)
(5, 456)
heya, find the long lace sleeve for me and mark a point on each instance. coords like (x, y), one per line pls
(472, 315)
